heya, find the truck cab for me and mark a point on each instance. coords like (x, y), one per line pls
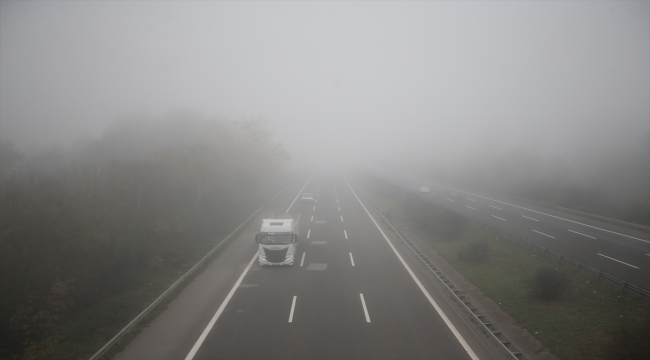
(278, 239)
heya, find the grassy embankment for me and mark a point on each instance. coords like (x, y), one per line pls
(581, 325)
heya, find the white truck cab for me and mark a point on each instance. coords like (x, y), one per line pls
(278, 239)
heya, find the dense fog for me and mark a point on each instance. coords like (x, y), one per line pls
(503, 95)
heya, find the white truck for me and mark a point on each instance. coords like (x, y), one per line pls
(278, 239)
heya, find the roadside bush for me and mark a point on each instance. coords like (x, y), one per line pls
(548, 284)
(475, 252)
(630, 341)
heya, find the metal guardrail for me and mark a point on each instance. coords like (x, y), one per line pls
(131, 325)
(600, 274)
(486, 325)
(531, 245)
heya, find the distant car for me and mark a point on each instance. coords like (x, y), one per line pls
(425, 189)
(307, 197)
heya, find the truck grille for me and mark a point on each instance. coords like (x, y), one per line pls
(275, 256)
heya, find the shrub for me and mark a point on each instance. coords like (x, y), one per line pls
(548, 284)
(475, 252)
(630, 341)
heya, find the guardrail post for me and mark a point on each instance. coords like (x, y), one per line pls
(559, 259)
(600, 273)
(545, 251)
(623, 285)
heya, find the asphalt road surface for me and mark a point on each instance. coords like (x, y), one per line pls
(352, 294)
(619, 251)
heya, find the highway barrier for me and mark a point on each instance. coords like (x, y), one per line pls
(560, 258)
(131, 325)
(457, 294)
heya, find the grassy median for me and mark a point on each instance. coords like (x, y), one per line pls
(592, 320)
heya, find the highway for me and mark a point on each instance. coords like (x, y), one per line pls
(619, 251)
(353, 294)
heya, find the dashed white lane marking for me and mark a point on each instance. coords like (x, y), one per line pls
(434, 194)
(341, 218)
(470, 207)
(339, 208)
(312, 218)
(449, 199)
(433, 303)
(302, 261)
(582, 234)
(365, 309)
(319, 242)
(529, 218)
(611, 258)
(470, 199)
(499, 218)
(496, 207)
(452, 193)
(346, 234)
(316, 200)
(351, 259)
(207, 329)
(293, 305)
(308, 233)
(552, 237)
(648, 254)
(337, 201)
(543, 213)
(314, 208)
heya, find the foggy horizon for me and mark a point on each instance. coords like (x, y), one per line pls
(339, 83)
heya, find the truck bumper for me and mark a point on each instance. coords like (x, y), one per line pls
(288, 261)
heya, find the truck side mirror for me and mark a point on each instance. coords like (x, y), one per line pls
(257, 238)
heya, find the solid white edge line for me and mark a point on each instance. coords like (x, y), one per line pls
(543, 213)
(302, 261)
(351, 259)
(444, 317)
(611, 258)
(299, 192)
(496, 207)
(293, 305)
(365, 309)
(529, 217)
(582, 234)
(499, 218)
(539, 232)
(308, 233)
(346, 234)
(207, 329)
(470, 207)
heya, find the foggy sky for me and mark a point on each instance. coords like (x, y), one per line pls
(338, 81)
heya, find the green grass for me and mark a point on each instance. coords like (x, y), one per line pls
(578, 326)
(83, 334)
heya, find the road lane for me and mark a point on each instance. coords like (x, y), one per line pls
(570, 235)
(311, 310)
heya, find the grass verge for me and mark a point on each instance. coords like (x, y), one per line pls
(578, 326)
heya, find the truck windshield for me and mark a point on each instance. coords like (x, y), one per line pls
(276, 239)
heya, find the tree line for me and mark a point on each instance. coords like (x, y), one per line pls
(146, 196)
